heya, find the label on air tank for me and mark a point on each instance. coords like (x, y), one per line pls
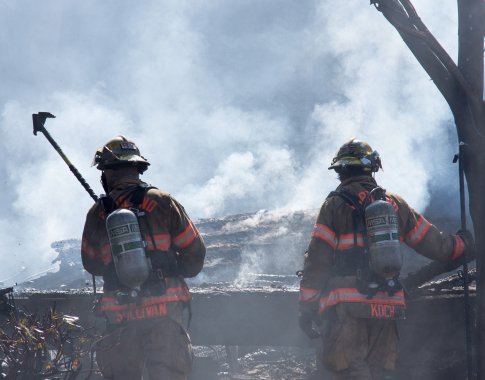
(123, 230)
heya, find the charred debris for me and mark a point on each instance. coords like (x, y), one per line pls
(245, 302)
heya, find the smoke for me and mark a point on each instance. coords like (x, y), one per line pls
(239, 106)
(275, 244)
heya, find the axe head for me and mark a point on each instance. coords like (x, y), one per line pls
(39, 119)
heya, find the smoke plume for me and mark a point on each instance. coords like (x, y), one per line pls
(238, 105)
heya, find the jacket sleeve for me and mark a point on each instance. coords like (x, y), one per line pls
(186, 240)
(95, 248)
(318, 259)
(425, 238)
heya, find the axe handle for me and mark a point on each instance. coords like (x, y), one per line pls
(73, 169)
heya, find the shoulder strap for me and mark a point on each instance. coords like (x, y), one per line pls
(358, 216)
(136, 200)
(377, 192)
(108, 204)
(359, 219)
(350, 198)
(138, 195)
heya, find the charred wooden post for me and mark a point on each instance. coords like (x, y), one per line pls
(462, 87)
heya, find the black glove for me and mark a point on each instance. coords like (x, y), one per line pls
(467, 238)
(166, 262)
(305, 320)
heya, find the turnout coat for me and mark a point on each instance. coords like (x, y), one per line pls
(167, 230)
(323, 286)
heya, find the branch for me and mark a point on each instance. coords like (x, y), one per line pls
(431, 55)
(471, 32)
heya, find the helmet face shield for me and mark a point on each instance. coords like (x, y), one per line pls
(117, 152)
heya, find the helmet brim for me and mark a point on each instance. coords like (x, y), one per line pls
(105, 158)
(345, 161)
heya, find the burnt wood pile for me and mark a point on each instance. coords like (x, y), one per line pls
(432, 337)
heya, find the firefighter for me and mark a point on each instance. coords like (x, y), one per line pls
(341, 290)
(144, 323)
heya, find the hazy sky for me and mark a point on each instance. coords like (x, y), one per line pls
(239, 106)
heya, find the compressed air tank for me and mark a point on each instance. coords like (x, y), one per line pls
(128, 248)
(385, 256)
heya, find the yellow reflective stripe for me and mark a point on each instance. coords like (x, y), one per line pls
(416, 235)
(309, 295)
(348, 241)
(353, 295)
(186, 237)
(326, 234)
(162, 242)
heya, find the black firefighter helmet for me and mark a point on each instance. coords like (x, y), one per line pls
(119, 152)
(356, 153)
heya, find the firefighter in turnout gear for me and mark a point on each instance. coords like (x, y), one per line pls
(341, 290)
(143, 244)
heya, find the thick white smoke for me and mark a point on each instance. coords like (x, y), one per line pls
(238, 105)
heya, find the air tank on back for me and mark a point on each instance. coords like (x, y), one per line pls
(128, 248)
(385, 256)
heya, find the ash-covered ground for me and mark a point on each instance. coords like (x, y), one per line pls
(266, 363)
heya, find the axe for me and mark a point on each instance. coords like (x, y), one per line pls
(38, 120)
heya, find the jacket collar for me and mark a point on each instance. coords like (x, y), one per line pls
(362, 179)
(123, 186)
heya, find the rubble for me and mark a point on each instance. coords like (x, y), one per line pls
(249, 285)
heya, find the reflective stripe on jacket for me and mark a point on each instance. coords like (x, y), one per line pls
(117, 311)
(381, 305)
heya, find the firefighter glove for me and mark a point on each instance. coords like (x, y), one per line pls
(467, 238)
(305, 320)
(165, 262)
